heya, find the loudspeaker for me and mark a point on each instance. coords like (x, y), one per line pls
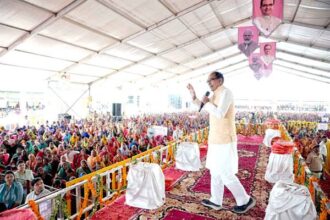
(116, 109)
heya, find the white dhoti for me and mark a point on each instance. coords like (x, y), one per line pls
(222, 160)
(187, 157)
(290, 201)
(269, 135)
(146, 186)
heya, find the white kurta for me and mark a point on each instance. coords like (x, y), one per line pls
(290, 201)
(267, 59)
(267, 24)
(323, 149)
(222, 158)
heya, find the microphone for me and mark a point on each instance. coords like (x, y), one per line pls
(202, 104)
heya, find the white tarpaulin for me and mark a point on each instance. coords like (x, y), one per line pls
(187, 157)
(290, 201)
(269, 135)
(279, 167)
(146, 186)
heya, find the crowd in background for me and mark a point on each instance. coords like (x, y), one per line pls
(306, 135)
(61, 151)
(310, 138)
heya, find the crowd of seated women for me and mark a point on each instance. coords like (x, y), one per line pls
(61, 151)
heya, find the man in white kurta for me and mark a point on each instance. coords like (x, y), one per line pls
(324, 153)
(267, 58)
(222, 157)
(39, 190)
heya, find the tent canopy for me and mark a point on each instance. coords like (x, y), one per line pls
(149, 42)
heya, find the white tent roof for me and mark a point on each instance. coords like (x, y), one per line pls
(152, 41)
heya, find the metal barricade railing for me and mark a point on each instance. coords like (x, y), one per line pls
(52, 206)
(303, 175)
(85, 195)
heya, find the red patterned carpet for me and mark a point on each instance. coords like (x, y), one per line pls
(176, 214)
(117, 210)
(183, 201)
(247, 163)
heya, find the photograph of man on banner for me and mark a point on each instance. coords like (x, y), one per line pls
(267, 15)
(248, 39)
(255, 64)
(267, 52)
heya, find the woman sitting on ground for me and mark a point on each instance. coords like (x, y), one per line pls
(11, 192)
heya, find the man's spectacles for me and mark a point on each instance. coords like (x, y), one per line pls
(209, 80)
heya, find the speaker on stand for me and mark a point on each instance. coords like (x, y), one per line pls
(116, 111)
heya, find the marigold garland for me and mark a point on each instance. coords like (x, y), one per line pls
(99, 191)
(90, 186)
(312, 179)
(60, 203)
(35, 209)
(323, 214)
(84, 204)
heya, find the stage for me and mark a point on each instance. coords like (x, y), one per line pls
(189, 188)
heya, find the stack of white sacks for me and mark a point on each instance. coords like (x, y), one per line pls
(287, 200)
(280, 164)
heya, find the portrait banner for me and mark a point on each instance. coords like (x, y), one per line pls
(255, 65)
(267, 15)
(267, 52)
(248, 38)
